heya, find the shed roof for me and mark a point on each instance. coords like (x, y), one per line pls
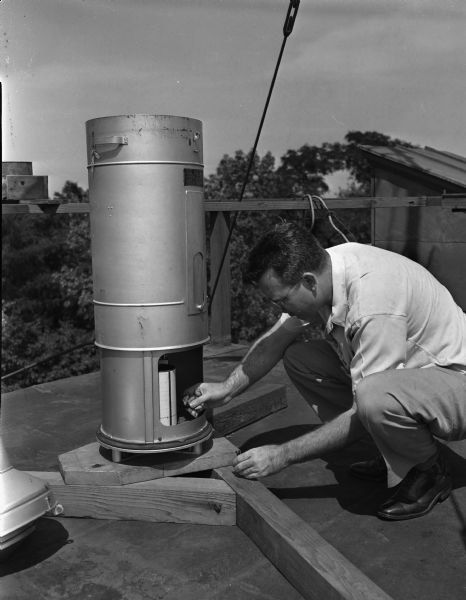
(441, 165)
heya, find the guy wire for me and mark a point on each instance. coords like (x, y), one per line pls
(287, 29)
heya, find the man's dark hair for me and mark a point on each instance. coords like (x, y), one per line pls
(287, 249)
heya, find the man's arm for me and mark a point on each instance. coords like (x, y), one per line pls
(335, 434)
(263, 355)
(379, 344)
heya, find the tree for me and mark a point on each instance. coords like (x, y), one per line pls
(47, 301)
(302, 171)
(250, 313)
(71, 192)
(354, 160)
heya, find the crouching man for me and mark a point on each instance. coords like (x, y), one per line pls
(393, 363)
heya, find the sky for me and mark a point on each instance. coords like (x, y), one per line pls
(393, 66)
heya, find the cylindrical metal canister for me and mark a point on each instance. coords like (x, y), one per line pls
(148, 258)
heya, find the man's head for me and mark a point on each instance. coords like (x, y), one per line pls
(293, 270)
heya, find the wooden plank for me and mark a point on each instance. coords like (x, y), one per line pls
(89, 465)
(220, 318)
(171, 500)
(314, 567)
(261, 204)
(250, 406)
(35, 208)
(50, 477)
(453, 201)
(429, 224)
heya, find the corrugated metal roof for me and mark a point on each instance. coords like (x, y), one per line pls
(442, 165)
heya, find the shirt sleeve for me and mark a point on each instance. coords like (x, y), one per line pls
(379, 344)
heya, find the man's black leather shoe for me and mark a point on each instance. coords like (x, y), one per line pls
(371, 470)
(417, 494)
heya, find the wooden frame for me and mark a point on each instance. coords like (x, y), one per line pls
(167, 500)
(457, 201)
(88, 465)
(312, 565)
(253, 404)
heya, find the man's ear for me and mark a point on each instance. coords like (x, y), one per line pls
(309, 281)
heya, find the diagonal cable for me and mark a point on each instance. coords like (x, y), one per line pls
(287, 29)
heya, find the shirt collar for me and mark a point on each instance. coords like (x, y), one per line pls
(339, 300)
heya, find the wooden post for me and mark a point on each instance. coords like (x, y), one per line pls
(220, 317)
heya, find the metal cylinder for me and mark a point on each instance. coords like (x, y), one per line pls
(148, 258)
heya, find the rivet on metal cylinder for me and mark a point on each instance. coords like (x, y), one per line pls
(148, 258)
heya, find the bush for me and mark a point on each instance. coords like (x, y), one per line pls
(47, 297)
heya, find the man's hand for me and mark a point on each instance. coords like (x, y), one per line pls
(214, 394)
(260, 462)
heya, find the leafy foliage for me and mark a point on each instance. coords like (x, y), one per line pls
(47, 298)
(250, 312)
(356, 164)
(302, 171)
(309, 163)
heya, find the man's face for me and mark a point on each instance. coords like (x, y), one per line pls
(303, 300)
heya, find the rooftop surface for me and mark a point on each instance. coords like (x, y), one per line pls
(77, 559)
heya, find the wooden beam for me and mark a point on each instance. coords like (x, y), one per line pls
(41, 206)
(454, 201)
(314, 567)
(220, 318)
(171, 500)
(261, 204)
(250, 406)
(89, 465)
